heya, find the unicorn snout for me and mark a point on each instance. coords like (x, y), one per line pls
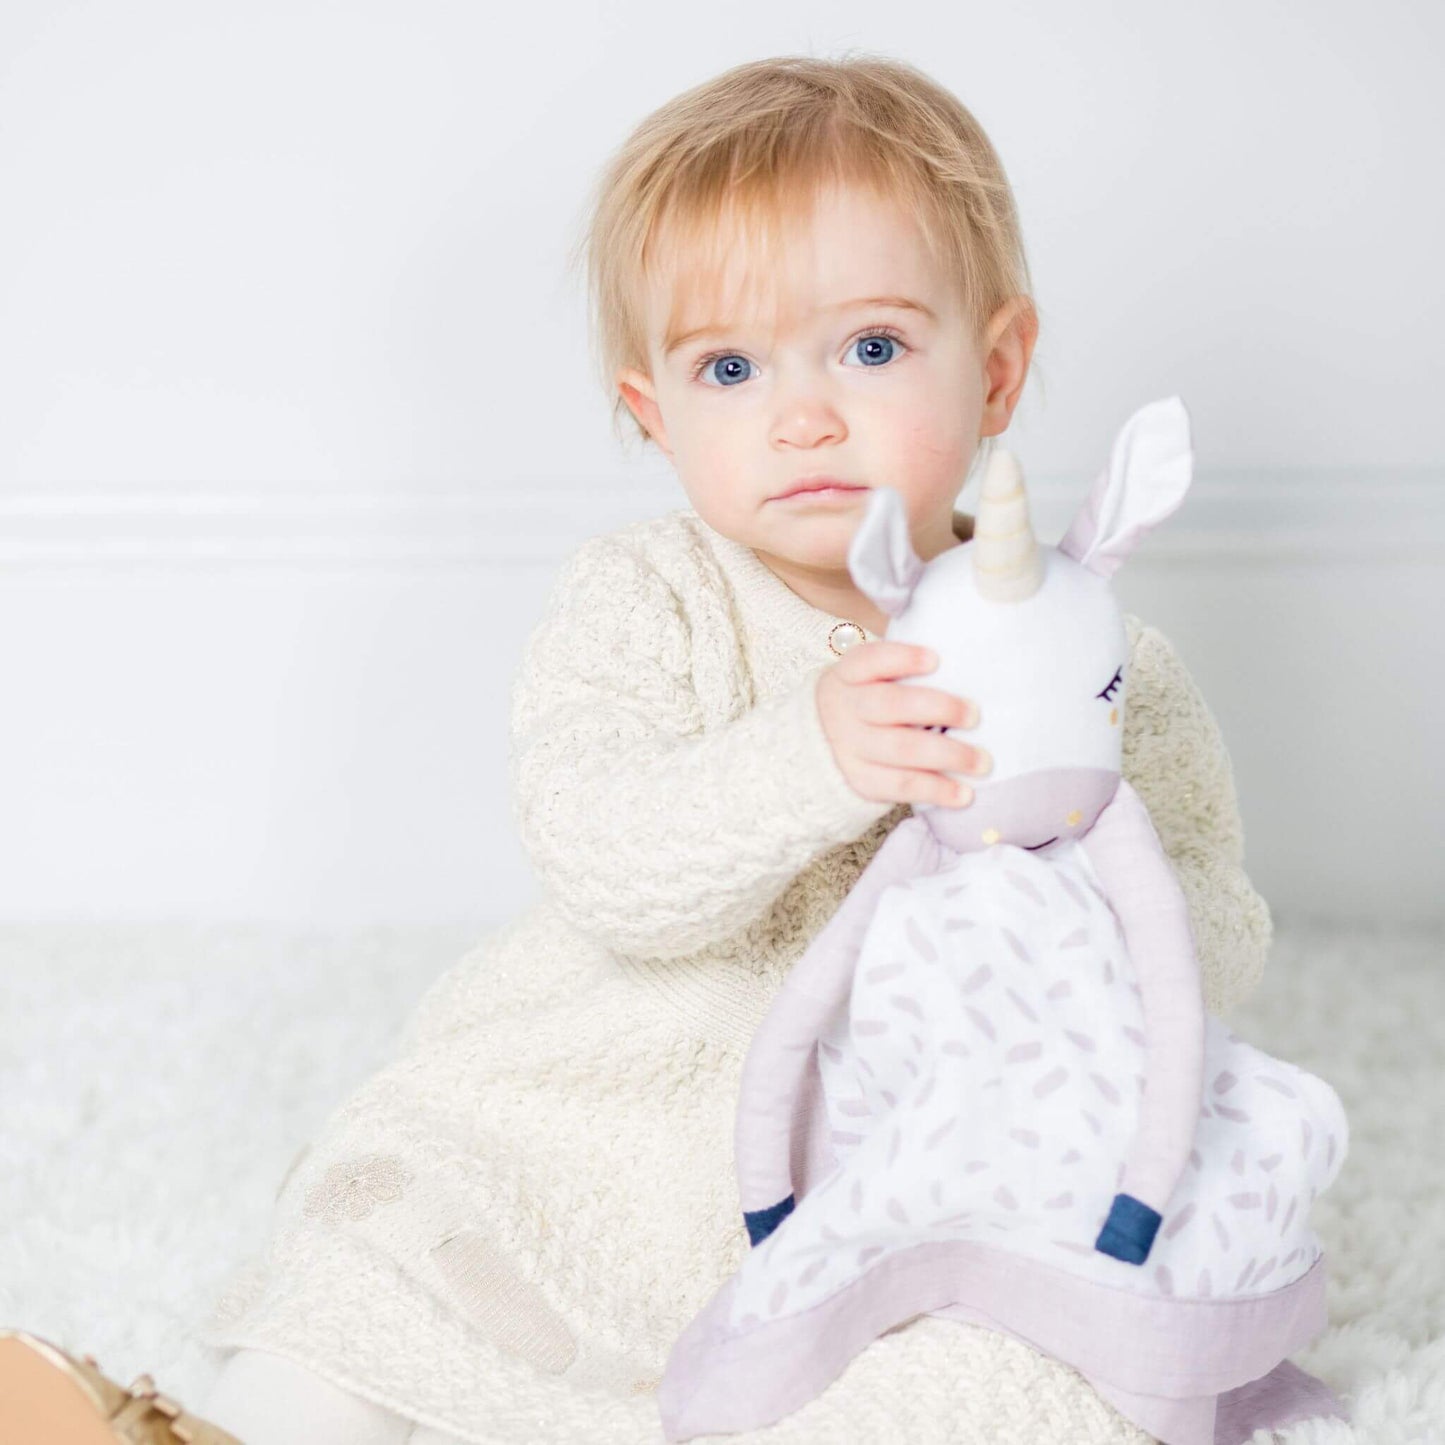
(1031, 811)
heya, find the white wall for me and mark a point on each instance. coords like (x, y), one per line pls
(297, 416)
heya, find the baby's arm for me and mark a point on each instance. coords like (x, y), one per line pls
(653, 835)
(1139, 882)
(1174, 755)
(817, 985)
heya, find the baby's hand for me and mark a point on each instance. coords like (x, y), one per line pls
(880, 730)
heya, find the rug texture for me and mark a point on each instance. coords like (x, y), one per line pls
(156, 1081)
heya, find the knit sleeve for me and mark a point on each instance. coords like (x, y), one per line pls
(1174, 755)
(653, 831)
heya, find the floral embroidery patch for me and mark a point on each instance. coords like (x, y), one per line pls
(241, 1291)
(354, 1187)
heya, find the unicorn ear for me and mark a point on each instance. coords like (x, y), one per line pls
(881, 558)
(1149, 471)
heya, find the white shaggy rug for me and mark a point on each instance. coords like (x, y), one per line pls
(155, 1083)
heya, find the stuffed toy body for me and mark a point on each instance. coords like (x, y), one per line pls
(990, 1089)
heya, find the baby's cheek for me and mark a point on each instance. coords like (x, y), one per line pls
(936, 451)
(703, 457)
(721, 494)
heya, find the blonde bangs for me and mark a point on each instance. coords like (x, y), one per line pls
(697, 244)
(739, 162)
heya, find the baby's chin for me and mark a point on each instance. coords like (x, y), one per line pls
(811, 534)
(820, 541)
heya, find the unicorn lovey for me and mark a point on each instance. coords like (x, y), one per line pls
(990, 1089)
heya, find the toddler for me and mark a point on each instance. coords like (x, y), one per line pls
(808, 280)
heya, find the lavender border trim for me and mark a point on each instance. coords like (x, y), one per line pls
(722, 1380)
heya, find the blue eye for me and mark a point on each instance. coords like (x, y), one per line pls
(1114, 682)
(885, 341)
(717, 359)
(882, 337)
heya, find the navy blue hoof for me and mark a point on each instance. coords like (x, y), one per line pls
(762, 1222)
(1129, 1231)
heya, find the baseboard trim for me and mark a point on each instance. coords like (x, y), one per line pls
(1246, 516)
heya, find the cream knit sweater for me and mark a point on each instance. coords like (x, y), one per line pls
(503, 1231)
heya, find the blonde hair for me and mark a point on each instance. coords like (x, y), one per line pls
(758, 142)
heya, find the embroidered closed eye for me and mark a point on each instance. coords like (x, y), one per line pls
(1114, 682)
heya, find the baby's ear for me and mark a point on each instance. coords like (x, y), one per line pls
(1149, 471)
(881, 559)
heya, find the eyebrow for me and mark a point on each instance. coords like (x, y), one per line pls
(716, 328)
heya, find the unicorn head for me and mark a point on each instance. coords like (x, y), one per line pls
(1033, 634)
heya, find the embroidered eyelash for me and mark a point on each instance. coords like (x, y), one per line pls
(703, 362)
(1115, 681)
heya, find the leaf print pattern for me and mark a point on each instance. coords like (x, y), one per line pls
(1017, 1047)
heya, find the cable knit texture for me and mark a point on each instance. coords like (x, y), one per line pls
(502, 1232)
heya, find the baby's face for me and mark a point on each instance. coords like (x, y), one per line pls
(831, 383)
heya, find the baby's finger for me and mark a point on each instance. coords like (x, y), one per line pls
(902, 702)
(911, 785)
(869, 661)
(914, 747)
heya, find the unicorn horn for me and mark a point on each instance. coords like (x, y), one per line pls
(1007, 566)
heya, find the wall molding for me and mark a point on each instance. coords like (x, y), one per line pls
(253, 704)
(1235, 515)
